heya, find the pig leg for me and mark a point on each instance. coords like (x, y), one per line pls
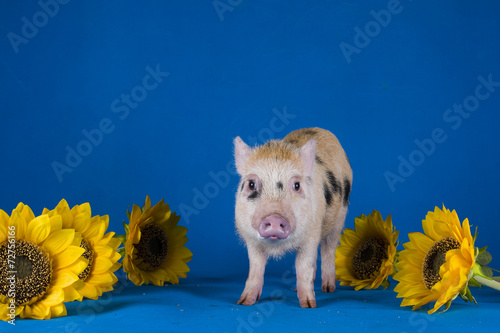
(305, 265)
(255, 281)
(328, 246)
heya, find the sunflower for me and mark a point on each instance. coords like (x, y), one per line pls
(436, 266)
(100, 248)
(154, 246)
(48, 260)
(365, 256)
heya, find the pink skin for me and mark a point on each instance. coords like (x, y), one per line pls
(272, 226)
(255, 281)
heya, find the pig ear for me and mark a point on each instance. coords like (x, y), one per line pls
(308, 155)
(241, 153)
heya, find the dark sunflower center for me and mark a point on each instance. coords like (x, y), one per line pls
(28, 268)
(152, 248)
(435, 258)
(89, 255)
(368, 257)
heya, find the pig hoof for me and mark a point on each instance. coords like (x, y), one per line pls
(247, 300)
(328, 288)
(308, 303)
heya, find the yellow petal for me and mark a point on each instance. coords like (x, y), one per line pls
(25, 212)
(59, 241)
(63, 204)
(135, 214)
(96, 229)
(39, 311)
(77, 267)
(90, 291)
(101, 265)
(64, 279)
(19, 223)
(102, 279)
(4, 223)
(3, 233)
(81, 222)
(56, 222)
(53, 297)
(71, 293)
(67, 257)
(83, 208)
(38, 229)
(58, 311)
(105, 219)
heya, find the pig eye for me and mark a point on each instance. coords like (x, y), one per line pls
(251, 185)
(296, 186)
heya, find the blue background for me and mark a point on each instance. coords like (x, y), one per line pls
(235, 68)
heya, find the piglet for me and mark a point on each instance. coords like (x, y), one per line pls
(292, 196)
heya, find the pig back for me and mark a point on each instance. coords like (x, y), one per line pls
(333, 174)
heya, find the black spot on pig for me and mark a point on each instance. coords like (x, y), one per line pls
(254, 195)
(328, 194)
(279, 185)
(310, 132)
(293, 142)
(334, 183)
(319, 160)
(347, 191)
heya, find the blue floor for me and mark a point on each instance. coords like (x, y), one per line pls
(209, 304)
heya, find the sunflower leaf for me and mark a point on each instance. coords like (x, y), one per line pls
(484, 257)
(487, 271)
(386, 284)
(477, 271)
(447, 306)
(474, 283)
(126, 227)
(121, 251)
(462, 296)
(469, 296)
(121, 238)
(128, 212)
(466, 295)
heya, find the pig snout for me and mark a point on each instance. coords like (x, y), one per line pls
(274, 227)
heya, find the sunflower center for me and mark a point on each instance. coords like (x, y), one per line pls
(435, 258)
(28, 267)
(89, 255)
(152, 248)
(368, 257)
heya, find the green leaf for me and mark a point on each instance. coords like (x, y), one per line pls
(496, 278)
(462, 296)
(122, 238)
(474, 283)
(477, 271)
(484, 257)
(126, 227)
(467, 295)
(386, 284)
(481, 250)
(487, 271)
(447, 306)
(121, 251)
